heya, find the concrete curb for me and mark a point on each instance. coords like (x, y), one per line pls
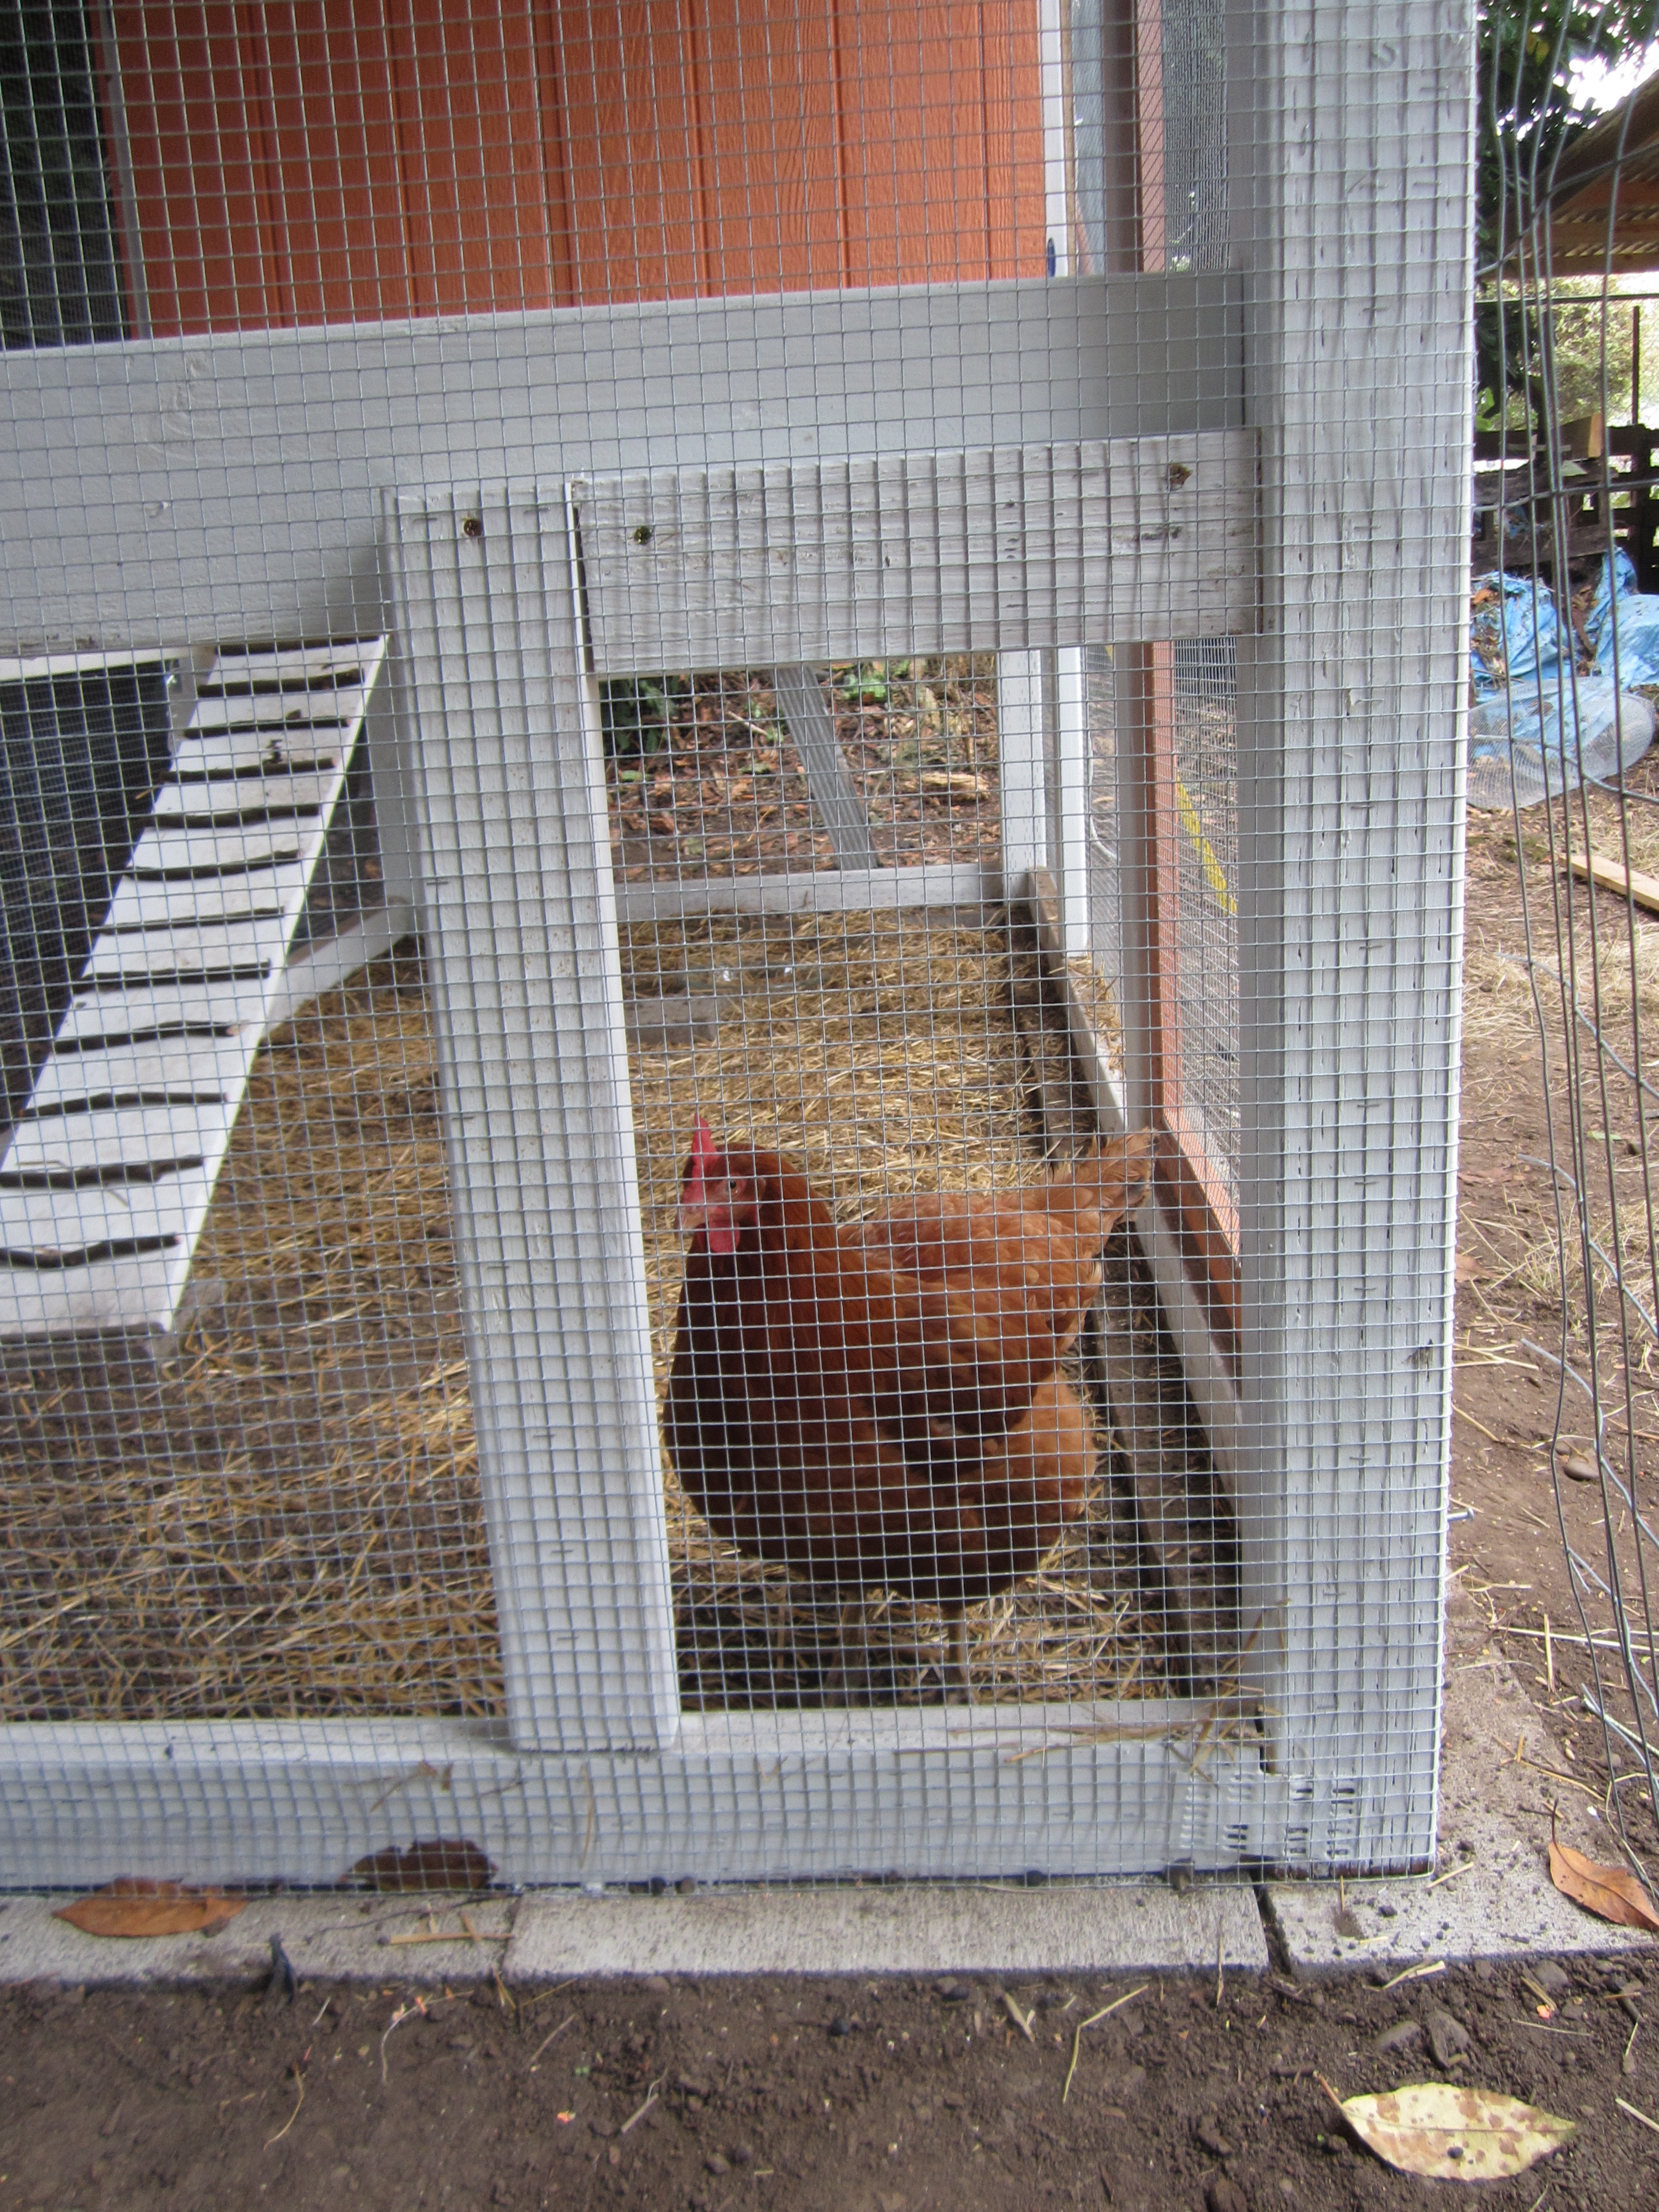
(551, 1935)
(1492, 1899)
(1492, 1896)
(326, 1938)
(912, 1931)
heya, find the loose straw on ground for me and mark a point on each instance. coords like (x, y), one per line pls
(1104, 2013)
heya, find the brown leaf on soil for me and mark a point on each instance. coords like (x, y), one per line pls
(1449, 2134)
(1611, 1893)
(131, 1905)
(440, 1862)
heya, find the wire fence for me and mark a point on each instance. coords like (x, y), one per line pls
(719, 1137)
(1560, 1254)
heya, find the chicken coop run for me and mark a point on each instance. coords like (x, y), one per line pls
(597, 595)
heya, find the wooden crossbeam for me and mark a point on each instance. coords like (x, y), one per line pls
(989, 550)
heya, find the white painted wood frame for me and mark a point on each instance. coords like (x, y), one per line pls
(1351, 206)
(186, 487)
(270, 510)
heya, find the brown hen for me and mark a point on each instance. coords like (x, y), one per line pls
(878, 1403)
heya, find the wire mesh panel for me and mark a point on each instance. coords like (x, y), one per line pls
(1557, 1250)
(730, 1105)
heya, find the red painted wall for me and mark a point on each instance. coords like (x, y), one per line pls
(306, 163)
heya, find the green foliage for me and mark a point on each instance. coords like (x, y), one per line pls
(1527, 118)
(1590, 344)
(637, 714)
(871, 684)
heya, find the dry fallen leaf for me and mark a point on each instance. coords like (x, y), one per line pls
(1611, 1893)
(134, 1906)
(1447, 2134)
(437, 1862)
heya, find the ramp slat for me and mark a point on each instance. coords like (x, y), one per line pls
(107, 1178)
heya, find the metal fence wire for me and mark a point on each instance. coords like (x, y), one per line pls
(1559, 1258)
(731, 848)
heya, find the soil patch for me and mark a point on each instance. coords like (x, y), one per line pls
(858, 2096)
(1516, 1502)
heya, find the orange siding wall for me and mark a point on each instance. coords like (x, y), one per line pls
(339, 160)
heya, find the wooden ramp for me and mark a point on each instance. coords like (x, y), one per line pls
(108, 1175)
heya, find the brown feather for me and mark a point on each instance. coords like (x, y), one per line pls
(878, 1403)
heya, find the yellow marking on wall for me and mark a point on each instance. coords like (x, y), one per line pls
(1212, 868)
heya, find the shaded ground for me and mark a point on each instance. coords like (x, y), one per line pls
(861, 2096)
(1522, 1503)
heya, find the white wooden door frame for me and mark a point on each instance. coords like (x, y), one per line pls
(512, 603)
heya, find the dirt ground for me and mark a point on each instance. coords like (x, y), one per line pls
(1514, 1499)
(862, 2097)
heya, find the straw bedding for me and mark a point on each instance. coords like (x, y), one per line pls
(285, 1519)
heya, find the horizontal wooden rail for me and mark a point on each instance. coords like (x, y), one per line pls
(991, 550)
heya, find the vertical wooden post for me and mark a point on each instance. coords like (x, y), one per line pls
(1192, 1187)
(502, 733)
(1350, 184)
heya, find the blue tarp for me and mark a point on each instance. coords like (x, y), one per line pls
(1536, 725)
(1514, 634)
(1630, 641)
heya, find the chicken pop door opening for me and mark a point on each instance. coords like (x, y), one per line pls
(889, 1055)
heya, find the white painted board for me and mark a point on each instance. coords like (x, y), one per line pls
(984, 550)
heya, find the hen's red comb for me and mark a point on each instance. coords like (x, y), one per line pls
(704, 1152)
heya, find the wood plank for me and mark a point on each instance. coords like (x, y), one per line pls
(299, 665)
(198, 1066)
(189, 947)
(823, 891)
(984, 550)
(182, 805)
(1113, 1792)
(51, 1225)
(68, 1144)
(180, 853)
(131, 1008)
(323, 713)
(140, 1291)
(1198, 1200)
(1613, 876)
(835, 801)
(137, 907)
(1188, 1536)
(558, 1315)
(1350, 871)
(274, 450)
(33, 666)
